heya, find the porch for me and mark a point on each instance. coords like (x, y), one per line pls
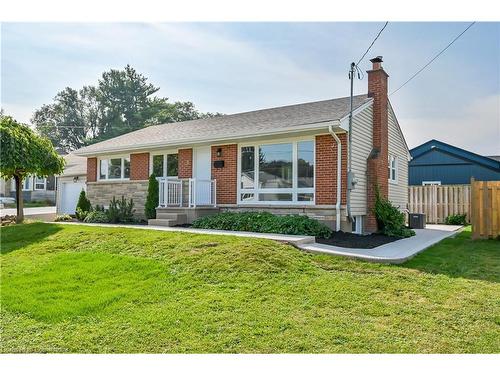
(183, 200)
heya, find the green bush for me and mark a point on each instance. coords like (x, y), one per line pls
(96, 217)
(83, 204)
(456, 220)
(152, 198)
(121, 211)
(390, 220)
(63, 217)
(264, 222)
(80, 214)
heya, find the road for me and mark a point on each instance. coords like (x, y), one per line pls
(29, 211)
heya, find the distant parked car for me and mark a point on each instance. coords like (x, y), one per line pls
(6, 200)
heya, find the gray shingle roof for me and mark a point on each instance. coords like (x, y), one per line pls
(75, 165)
(263, 121)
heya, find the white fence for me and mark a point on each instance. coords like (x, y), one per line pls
(200, 192)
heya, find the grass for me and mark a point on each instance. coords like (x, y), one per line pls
(103, 290)
(31, 204)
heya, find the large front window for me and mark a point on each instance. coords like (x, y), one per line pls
(277, 173)
(114, 168)
(166, 165)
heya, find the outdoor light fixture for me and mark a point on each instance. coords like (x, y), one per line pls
(219, 152)
(75, 179)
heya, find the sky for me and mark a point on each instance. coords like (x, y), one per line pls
(237, 67)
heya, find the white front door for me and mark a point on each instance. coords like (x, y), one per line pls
(202, 174)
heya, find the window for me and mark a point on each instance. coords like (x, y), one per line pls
(393, 170)
(28, 183)
(277, 173)
(168, 169)
(39, 183)
(114, 168)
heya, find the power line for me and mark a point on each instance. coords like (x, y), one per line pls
(434, 58)
(371, 45)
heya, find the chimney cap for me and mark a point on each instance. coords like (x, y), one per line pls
(377, 59)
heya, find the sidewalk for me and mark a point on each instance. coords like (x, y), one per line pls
(393, 252)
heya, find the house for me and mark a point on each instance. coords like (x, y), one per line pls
(287, 160)
(35, 189)
(70, 183)
(436, 162)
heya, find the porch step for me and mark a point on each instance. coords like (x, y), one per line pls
(171, 216)
(165, 219)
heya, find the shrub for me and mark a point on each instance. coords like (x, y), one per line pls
(63, 217)
(152, 198)
(121, 211)
(83, 204)
(456, 220)
(264, 222)
(80, 214)
(96, 217)
(390, 220)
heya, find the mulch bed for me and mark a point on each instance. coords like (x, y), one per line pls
(351, 240)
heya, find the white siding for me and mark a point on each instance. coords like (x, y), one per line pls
(362, 135)
(398, 192)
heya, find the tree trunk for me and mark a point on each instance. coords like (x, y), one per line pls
(19, 199)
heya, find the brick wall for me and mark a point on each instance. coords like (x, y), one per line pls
(227, 176)
(91, 169)
(326, 169)
(377, 171)
(185, 163)
(139, 166)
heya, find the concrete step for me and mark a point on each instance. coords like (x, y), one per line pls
(163, 222)
(171, 216)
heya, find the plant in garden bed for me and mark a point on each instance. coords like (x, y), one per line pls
(64, 217)
(456, 220)
(96, 217)
(152, 198)
(264, 222)
(390, 220)
(83, 207)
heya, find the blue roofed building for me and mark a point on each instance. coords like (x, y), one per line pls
(436, 162)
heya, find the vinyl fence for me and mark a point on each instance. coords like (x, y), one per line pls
(437, 202)
(485, 214)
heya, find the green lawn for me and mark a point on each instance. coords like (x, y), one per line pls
(31, 204)
(88, 289)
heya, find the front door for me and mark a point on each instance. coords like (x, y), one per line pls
(203, 175)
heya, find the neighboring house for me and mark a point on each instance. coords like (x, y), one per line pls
(436, 162)
(70, 183)
(34, 189)
(284, 160)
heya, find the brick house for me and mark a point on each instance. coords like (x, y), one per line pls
(287, 160)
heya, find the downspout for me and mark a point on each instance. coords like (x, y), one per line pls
(339, 177)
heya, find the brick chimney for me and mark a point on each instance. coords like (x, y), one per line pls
(377, 168)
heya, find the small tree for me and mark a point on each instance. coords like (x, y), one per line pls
(24, 153)
(83, 205)
(152, 198)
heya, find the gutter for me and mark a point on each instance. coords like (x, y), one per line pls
(339, 177)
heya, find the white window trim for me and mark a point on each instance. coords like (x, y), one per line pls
(294, 190)
(396, 169)
(164, 153)
(431, 183)
(106, 179)
(30, 186)
(35, 183)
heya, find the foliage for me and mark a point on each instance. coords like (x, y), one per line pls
(152, 198)
(83, 206)
(456, 219)
(23, 153)
(63, 217)
(121, 211)
(264, 222)
(66, 288)
(122, 101)
(96, 217)
(390, 220)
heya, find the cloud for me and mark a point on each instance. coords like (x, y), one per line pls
(475, 127)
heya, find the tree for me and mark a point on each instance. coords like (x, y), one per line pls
(24, 153)
(152, 198)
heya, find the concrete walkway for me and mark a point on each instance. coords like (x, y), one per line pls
(394, 252)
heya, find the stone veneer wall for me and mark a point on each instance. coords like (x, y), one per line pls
(102, 192)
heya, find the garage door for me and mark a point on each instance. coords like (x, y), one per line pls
(69, 196)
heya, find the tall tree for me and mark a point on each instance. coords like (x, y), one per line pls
(24, 153)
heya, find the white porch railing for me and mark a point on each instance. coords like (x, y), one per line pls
(199, 192)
